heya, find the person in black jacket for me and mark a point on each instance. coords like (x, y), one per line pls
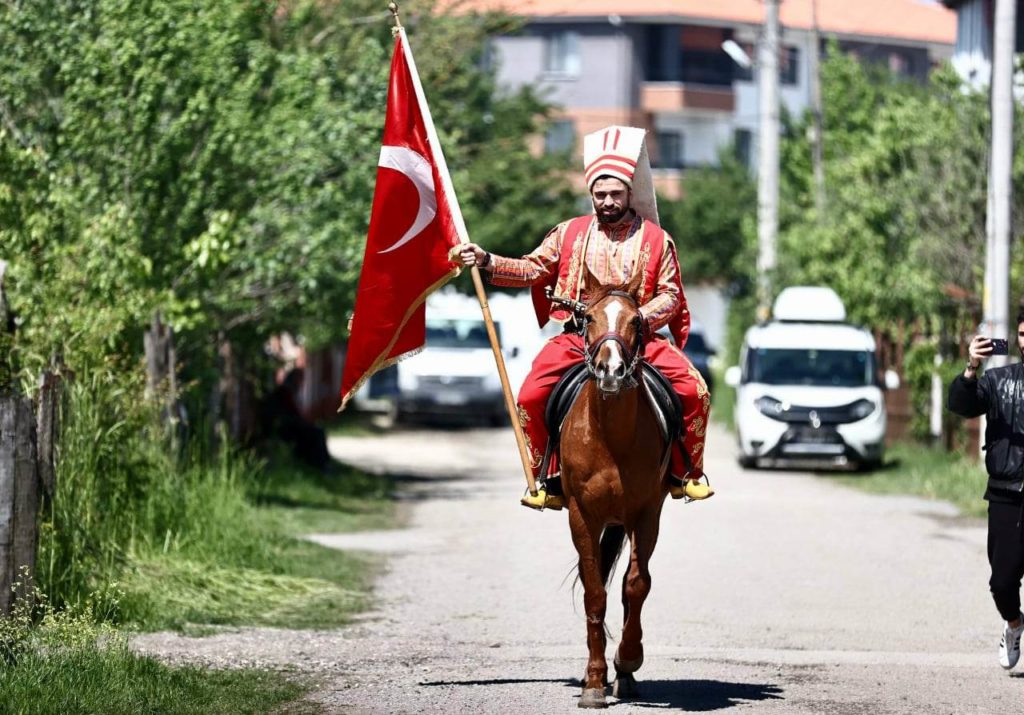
(999, 394)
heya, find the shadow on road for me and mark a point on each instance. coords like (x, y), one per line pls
(701, 695)
(690, 695)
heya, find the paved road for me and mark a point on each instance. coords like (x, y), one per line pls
(783, 594)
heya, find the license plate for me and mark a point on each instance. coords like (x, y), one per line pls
(451, 398)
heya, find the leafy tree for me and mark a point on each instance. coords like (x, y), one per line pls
(708, 222)
(906, 171)
(217, 161)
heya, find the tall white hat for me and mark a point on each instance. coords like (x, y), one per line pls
(621, 152)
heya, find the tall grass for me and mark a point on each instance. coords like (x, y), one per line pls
(122, 490)
(145, 532)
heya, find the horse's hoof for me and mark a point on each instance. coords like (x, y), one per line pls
(624, 687)
(592, 698)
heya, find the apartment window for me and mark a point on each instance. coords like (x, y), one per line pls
(560, 136)
(899, 63)
(669, 150)
(742, 142)
(562, 54)
(789, 66)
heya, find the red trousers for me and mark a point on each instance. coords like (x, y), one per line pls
(563, 351)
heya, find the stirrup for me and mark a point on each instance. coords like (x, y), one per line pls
(691, 490)
(542, 500)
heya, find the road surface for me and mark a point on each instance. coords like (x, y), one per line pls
(785, 593)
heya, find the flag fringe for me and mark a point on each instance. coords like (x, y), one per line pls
(382, 360)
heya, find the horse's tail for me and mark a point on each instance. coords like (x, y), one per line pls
(612, 539)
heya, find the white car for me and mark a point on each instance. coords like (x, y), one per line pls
(807, 387)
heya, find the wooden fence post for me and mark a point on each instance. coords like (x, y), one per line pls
(19, 499)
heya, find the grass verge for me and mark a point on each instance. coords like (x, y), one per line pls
(69, 663)
(932, 473)
(277, 578)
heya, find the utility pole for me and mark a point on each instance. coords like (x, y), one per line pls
(818, 129)
(768, 156)
(997, 263)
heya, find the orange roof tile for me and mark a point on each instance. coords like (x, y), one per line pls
(917, 20)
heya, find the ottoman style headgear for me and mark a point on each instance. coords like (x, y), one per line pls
(621, 152)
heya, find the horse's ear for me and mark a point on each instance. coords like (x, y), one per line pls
(636, 283)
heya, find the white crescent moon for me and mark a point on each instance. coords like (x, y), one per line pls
(420, 173)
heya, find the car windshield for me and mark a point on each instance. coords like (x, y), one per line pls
(821, 368)
(456, 333)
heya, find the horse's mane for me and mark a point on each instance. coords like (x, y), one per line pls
(601, 292)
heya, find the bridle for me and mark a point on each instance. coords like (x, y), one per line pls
(590, 350)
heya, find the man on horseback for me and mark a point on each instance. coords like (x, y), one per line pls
(621, 238)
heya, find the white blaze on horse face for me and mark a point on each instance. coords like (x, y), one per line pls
(616, 359)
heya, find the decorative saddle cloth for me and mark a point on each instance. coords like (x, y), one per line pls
(665, 403)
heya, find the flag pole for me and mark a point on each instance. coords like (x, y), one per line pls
(463, 234)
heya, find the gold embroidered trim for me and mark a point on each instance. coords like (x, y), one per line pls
(535, 457)
(641, 268)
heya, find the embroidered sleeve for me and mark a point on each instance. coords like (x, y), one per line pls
(668, 299)
(531, 268)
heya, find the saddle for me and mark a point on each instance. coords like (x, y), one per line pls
(665, 403)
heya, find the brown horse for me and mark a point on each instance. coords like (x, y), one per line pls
(613, 476)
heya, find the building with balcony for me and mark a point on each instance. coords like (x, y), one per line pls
(972, 56)
(661, 64)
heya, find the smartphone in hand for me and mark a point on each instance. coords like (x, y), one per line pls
(1000, 347)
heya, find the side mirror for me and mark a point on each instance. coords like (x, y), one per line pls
(892, 380)
(733, 375)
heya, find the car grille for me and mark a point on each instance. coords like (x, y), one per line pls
(798, 414)
(450, 381)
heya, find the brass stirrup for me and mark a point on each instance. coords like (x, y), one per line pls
(543, 501)
(692, 490)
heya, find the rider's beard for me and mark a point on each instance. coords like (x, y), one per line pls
(611, 215)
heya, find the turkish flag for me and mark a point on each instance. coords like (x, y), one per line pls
(413, 226)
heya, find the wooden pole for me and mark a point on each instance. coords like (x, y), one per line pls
(768, 158)
(19, 500)
(506, 387)
(463, 234)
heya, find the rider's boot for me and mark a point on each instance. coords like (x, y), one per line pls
(549, 495)
(690, 489)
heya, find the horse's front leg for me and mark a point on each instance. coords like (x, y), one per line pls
(635, 588)
(586, 537)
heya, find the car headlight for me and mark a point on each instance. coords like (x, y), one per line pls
(769, 406)
(862, 408)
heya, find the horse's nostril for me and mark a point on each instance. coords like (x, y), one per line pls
(620, 370)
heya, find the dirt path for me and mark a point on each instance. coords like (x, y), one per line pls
(783, 594)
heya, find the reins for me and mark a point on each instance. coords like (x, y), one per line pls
(632, 356)
(590, 351)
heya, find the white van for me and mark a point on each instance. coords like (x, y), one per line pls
(807, 385)
(455, 374)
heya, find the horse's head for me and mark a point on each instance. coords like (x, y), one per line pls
(613, 334)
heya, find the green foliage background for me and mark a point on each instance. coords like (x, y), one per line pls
(215, 161)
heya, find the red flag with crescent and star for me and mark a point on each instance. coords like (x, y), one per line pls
(414, 223)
